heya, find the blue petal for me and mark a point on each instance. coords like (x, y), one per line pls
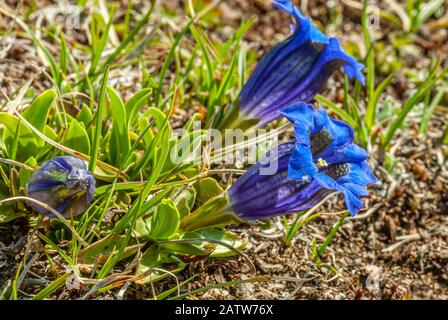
(351, 153)
(356, 189)
(340, 132)
(302, 113)
(359, 173)
(43, 185)
(352, 203)
(253, 176)
(335, 53)
(61, 161)
(286, 5)
(301, 165)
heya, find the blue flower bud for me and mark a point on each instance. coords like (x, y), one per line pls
(63, 183)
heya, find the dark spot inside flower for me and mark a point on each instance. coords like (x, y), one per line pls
(320, 140)
(337, 170)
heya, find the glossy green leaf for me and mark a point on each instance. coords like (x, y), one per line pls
(77, 138)
(99, 122)
(37, 112)
(165, 220)
(85, 115)
(26, 140)
(143, 129)
(119, 144)
(134, 104)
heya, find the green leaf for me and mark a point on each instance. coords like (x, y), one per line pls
(162, 139)
(169, 58)
(184, 199)
(154, 261)
(373, 101)
(17, 130)
(37, 112)
(207, 188)
(145, 208)
(165, 220)
(220, 235)
(143, 129)
(134, 104)
(429, 8)
(119, 144)
(25, 175)
(49, 132)
(77, 138)
(186, 248)
(130, 35)
(84, 115)
(334, 108)
(99, 31)
(157, 114)
(8, 213)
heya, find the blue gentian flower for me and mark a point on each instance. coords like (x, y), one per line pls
(321, 160)
(63, 183)
(294, 70)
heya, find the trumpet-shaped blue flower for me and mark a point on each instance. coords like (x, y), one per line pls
(321, 160)
(63, 183)
(294, 70)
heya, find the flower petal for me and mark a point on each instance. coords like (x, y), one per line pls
(301, 165)
(352, 203)
(359, 173)
(351, 153)
(339, 132)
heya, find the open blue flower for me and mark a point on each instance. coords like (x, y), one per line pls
(321, 160)
(63, 183)
(294, 70)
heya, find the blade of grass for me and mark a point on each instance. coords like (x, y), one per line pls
(422, 90)
(370, 117)
(328, 239)
(427, 114)
(99, 122)
(175, 44)
(52, 287)
(370, 61)
(129, 37)
(168, 292)
(336, 109)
